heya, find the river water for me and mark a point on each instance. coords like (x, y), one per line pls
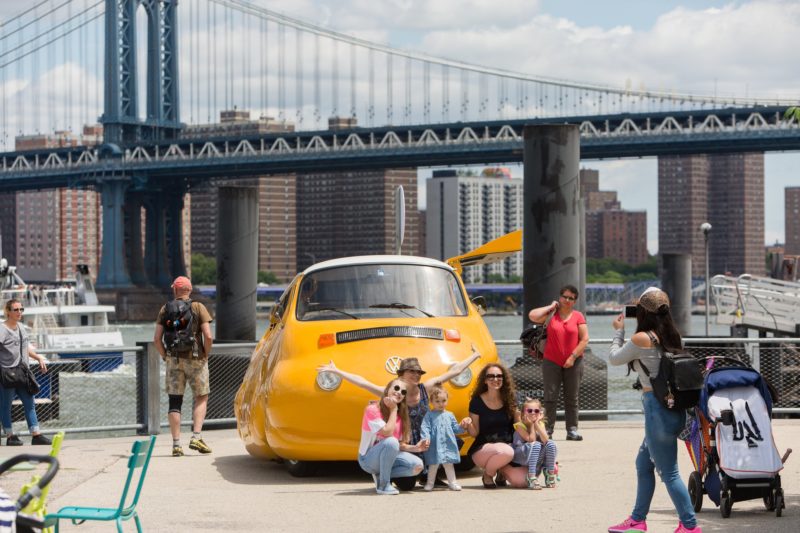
(502, 327)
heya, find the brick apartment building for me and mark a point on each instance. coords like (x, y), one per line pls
(726, 190)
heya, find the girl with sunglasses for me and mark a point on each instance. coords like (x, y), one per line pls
(384, 451)
(532, 447)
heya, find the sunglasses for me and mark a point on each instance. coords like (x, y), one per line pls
(401, 390)
(533, 411)
(494, 376)
(569, 298)
(18, 309)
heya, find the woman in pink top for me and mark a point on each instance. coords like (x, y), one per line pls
(567, 337)
(384, 451)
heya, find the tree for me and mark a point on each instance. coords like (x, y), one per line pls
(204, 270)
(267, 277)
(792, 113)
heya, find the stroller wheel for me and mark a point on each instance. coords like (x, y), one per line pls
(695, 487)
(778, 502)
(725, 504)
(769, 501)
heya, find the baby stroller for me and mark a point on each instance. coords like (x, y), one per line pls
(730, 440)
(10, 514)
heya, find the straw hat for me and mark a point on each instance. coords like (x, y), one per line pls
(409, 363)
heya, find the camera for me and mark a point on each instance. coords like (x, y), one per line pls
(630, 311)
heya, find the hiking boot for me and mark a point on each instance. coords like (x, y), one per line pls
(628, 525)
(13, 440)
(573, 434)
(177, 451)
(684, 529)
(199, 445)
(40, 440)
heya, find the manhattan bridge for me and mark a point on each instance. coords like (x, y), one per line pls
(148, 69)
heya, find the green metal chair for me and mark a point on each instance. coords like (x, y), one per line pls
(138, 461)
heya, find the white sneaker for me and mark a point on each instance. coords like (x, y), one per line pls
(453, 486)
(428, 487)
(388, 489)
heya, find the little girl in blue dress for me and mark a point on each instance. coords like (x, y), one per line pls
(440, 427)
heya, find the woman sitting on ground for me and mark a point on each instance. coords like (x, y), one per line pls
(385, 431)
(493, 412)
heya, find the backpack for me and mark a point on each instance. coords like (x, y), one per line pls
(179, 330)
(679, 380)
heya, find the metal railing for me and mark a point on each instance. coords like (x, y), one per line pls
(94, 391)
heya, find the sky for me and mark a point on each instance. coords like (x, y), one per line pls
(699, 46)
(742, 48)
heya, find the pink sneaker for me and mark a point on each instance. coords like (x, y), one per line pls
(629, 524)
(683, 529)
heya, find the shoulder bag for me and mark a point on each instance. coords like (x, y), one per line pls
(19, 376)
(534, 337)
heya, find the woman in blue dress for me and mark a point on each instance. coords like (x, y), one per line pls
(440, 428)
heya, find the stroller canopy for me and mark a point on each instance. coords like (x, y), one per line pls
(726, 378)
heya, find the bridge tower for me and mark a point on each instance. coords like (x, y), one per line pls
(122, 264)
(121, 122)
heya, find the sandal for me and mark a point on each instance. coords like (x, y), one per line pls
(500, 480)
(488, 484)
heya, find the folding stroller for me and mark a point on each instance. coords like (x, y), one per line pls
(730, 440)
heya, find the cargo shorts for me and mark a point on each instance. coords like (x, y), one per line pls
(181, 371)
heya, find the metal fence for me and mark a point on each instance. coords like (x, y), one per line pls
(120, 392)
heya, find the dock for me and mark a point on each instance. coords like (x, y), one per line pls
(232, 491)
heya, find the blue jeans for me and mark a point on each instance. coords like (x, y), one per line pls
(386, 461)
(659, 451)
(6, 397)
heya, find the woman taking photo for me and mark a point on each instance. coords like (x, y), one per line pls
(567, 337)
(385, 432)
(15, 348)
(492, 414)
(655, 333)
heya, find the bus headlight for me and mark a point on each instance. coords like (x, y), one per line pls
(328, 381)
(463, 379)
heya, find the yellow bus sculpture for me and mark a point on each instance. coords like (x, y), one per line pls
(365, 314)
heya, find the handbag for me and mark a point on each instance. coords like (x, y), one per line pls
(14, 377)
(534, 337)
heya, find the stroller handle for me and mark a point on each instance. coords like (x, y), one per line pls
(46, 478)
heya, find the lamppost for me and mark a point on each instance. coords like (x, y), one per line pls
(705, 227)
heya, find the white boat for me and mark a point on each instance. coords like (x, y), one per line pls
(62, 316)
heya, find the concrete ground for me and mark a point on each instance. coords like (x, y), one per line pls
(229, 490)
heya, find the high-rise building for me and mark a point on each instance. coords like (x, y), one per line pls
(353, 213)
(725, 190)
(277, 214)
(54, 230)
(791, 217)
(611, 232)
(617, 234)
(464, 212)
